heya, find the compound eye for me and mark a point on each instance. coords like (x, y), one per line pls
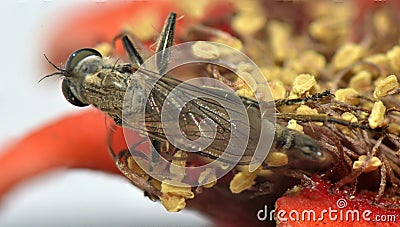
(71, 98)
(78, 56)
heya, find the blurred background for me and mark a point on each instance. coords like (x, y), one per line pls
(70, 197)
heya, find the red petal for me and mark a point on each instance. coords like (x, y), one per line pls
(318, 199)
(77, 141)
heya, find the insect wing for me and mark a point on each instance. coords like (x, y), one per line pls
(199, 119)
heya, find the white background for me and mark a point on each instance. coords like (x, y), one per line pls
(61, 198)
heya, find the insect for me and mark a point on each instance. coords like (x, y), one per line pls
(90, 79)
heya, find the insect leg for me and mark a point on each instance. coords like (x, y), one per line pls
(165, 41)
(139, 179)
(313, 98)
(117, 156)
(288, 102)
(322, 118)
(216, 74)
(154, 147)
(133, 54)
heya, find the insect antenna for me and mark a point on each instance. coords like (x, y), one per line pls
(60, 70)
(115, 65)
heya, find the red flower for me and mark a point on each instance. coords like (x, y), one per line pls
(78, 141)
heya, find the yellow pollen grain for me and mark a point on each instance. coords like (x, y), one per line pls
(275, 159)
(178, 165)
(247, 6)
(306, 110)
(381, 22)
(346, 55)
(383, 87)
(349, 117)
(229, 41)
(173, 203)
(248, 23)
(174, 198)
(347, 95)
(277, 89)
(245, 91)
(377, 117)
(205, 50)
(371, 165)
(309, 62)
(248, 78)
(394, 57)
(184, 191)
(104, 48)
(328, 30)
(242, 181)
(292, 124)
(394, 128)
(132, 165)
(207, 176)
(280, 34)
(142, 26)
(194, 8)
(379, 60)
(244, 67)
(303, 83)
(361, 82)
